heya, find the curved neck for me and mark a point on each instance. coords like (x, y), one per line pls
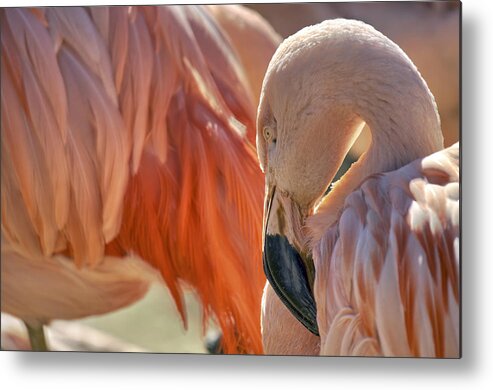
(402, 116)
(404, 125)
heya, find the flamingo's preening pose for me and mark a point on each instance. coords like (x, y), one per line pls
(373, 267)
(125, 150)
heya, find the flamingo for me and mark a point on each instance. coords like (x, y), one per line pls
(372, 268)
(127, 158)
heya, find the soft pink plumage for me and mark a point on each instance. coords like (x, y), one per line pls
(372, 267)
(387, 273)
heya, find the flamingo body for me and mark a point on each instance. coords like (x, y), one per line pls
(387, 273)
(124, 152)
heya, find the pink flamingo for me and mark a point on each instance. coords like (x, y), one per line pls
(372, 268)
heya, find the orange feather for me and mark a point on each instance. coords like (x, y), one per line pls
(126, 133)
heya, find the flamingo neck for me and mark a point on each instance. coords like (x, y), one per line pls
(404, 127)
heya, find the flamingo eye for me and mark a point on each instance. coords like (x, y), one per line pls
(269, 134)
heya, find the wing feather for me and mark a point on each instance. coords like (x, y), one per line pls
(387, 273)
(41, 104)
(135, 92)
(27, 158)
(210, 183)
(126, 129)
(61, 124)
(76, 29)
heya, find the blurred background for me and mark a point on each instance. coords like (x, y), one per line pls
(427, 31)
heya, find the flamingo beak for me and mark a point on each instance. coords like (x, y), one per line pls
(285, 269)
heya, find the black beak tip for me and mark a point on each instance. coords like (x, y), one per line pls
(287, 275)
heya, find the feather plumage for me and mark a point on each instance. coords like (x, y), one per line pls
(395, 287)
(123, 132)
